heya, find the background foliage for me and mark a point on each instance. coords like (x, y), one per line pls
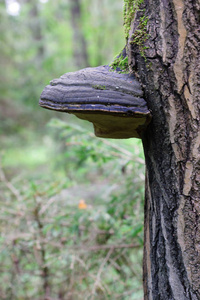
(71, 204)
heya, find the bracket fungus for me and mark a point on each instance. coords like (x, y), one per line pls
(111, 100)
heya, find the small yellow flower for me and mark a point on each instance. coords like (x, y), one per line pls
(82, 204)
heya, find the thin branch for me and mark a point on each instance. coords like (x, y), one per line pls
(84, 248)
(124, 151)
(8, 184)
(98, 278)
(127, 293)
(45, 269)
(106, 247)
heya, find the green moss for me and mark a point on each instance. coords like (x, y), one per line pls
(140, 35)
(120, 64)
(130, 8)
(99, 87)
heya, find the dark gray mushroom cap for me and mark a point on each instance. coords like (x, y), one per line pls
(112, 101)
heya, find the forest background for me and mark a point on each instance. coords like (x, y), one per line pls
(71, 204)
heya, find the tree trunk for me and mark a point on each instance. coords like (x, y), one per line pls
(79, 41)
(169, 70)
(34, 24)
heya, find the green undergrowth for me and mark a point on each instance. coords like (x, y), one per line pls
(59, 232)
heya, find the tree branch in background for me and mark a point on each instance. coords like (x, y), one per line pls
(8, 184)
(79, 41)
(45, 269)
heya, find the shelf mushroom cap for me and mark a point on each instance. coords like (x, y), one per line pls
(112, 101)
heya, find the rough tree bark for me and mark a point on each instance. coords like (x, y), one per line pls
(169, 70)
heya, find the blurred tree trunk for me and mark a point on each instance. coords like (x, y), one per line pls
(79, 41)
(37, 29)
(169, 70)
(34, 23)
(5, 61)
